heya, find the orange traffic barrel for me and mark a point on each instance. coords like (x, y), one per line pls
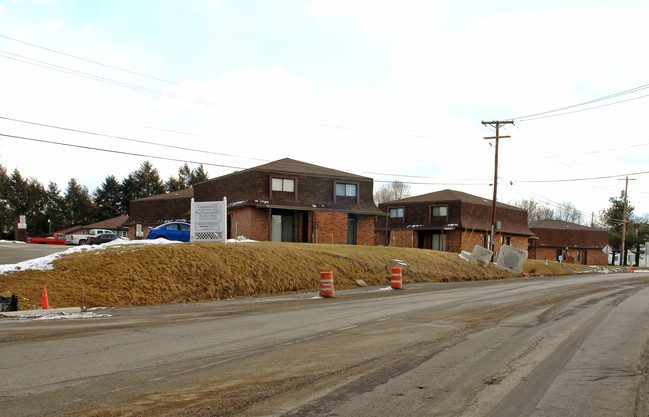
(326, 284)
(396, 281)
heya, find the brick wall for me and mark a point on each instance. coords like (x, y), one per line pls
(596, 257)
(249, 222)
(159, 210)
(365, 230)
(255, 186)
(403, 238)
(572, 255)
(331, 223)
(379, 237)
(132, 229)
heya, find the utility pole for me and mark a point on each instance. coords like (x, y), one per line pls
(626, 188)
(496, 125)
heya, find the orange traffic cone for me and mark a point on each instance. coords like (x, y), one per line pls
(46, 304)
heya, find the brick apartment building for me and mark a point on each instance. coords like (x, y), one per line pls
(575, 243)
(450, 221)
(150, 212)
(293, 201)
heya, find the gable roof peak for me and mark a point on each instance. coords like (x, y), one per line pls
(293, 166)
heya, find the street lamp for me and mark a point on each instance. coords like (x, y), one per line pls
(49, 224)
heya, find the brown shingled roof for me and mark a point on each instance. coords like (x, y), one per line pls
(111, 224)
(453, 195)
(559, 224)
(186, 193)
(289, 165)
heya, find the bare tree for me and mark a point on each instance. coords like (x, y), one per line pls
(396, 190)
(535, 211)
(569, 213)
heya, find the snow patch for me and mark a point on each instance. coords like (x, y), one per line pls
(45, 263)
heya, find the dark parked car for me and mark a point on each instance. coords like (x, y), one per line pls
(172, 231)
(103, 238)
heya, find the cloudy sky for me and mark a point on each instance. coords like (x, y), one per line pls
(389, 90)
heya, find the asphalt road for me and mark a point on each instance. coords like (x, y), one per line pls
(13, 253)
(569, 346)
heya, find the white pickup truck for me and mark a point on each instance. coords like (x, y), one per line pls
(81, 239)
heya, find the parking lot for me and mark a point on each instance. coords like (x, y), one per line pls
(15, 252)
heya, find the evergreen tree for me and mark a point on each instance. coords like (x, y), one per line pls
(180, 183)
(6, 220)
(80, 209)
(129, 191)
(21, 197)
(54, 208)
(186, 178)
(36, 206)
(108, 199)
(613, 218)
(198, 175)
(148, 180)
(144, 182)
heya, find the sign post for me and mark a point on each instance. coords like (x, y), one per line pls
(209, 221)
(20, 230)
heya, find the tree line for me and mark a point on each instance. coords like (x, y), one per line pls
(49, 208)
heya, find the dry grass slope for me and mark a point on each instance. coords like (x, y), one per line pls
(158, 274)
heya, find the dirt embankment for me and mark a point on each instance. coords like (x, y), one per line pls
(133, 275)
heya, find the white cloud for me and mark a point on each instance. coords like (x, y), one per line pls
(400, 19)
(55, 25)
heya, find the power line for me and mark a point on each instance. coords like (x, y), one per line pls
(582, 110)
(629, 91)
(90, 60)
(129, 139)
(599, 151)
(118, 152)
(181, 160)
(229, 155)
(432, 183)
(70, 71)
(584, 179)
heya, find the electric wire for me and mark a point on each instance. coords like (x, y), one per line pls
(89, 60)
(640, 145)
(621, 93)
(582, 110)
(129, 139)
(119, 152)
(233, 156)
(176, 159)
(106, 80)
(584, 179)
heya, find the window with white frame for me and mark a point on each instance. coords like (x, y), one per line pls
(396, 212)
(438, 211)
(284, 184)
(345, 190)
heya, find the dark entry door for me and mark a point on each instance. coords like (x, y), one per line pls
(351, 229)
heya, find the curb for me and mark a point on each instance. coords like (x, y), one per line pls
(40, 312)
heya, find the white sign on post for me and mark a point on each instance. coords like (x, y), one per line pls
(209, 221)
